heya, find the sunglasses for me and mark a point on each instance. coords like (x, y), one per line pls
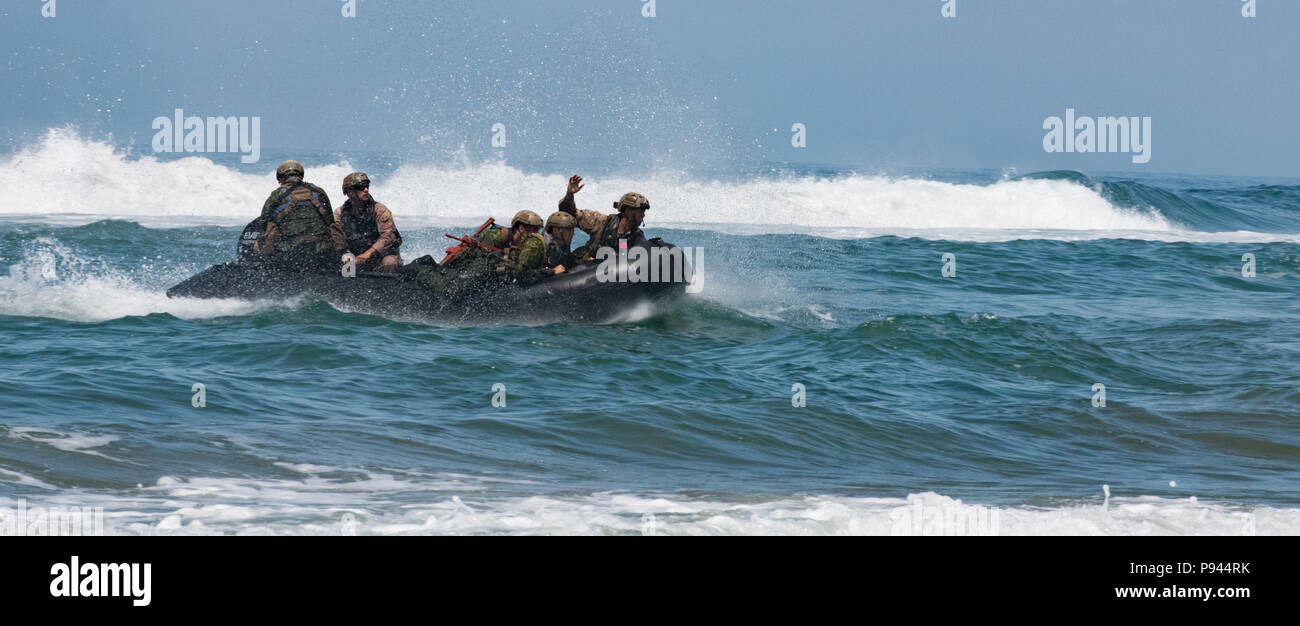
(359, 187)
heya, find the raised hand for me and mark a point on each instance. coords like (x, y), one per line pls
(575, 184)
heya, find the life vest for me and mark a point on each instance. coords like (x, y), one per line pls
(301, 217)
(362, 229)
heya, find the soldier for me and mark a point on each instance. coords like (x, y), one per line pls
(297, 224)
(517, 253)
(368, 226)
(605, 231)
(524, 249)
(559, 238)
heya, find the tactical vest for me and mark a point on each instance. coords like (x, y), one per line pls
(362, 230)
(557, 254)
(301, 217)
(607, 237)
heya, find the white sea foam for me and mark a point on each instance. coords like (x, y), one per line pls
(383, 504)
(51, 280)
(67, 442)
(108, 183)
(23, 479)
(307, 468)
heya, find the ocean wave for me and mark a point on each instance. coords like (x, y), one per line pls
(194, 190)
(316, 506)
(50, 279)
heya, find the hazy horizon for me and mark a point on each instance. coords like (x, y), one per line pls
(888, 85)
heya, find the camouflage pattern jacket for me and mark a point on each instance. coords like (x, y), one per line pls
(601, 229)
(525, 262)
(297, 220)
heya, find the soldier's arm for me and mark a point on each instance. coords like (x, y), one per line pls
(267, 206)
(266, 238)
(387, 229)
(332, 225)
(324, 200)
(567, 203)
(591, 222)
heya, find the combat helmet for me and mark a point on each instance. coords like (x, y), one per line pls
(560, 219)
(632, 201)
(289, 169)
(526, 217)
(355, 179)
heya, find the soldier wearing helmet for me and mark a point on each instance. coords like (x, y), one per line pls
(605, 231)
(523, 247)
(368, 226)
(297, 227)
(517, 253)
(559, 239)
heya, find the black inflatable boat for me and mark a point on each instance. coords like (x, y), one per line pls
(579, 295)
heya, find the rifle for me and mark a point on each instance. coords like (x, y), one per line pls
(469, 242)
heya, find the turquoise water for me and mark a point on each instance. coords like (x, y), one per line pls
(969, 392)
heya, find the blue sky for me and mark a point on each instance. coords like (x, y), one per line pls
(879, 84)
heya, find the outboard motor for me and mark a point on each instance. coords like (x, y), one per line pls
(244, 252)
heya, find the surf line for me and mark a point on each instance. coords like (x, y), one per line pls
(1102, 134)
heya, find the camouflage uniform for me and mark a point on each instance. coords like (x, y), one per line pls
(496, 237)
(372, 228)
(559, 254)
(479, 268)
(602, 230)
(297, 228)
(525, 262)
